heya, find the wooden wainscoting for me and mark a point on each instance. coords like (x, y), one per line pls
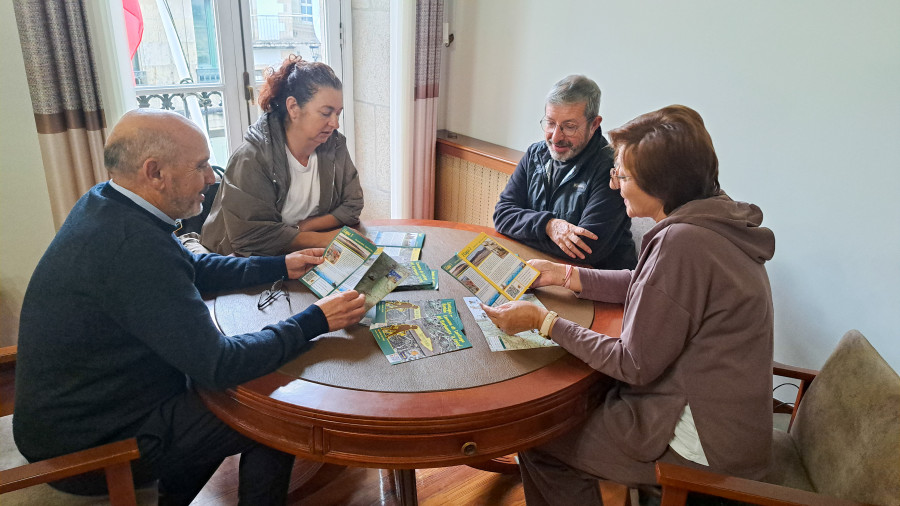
(470, 174)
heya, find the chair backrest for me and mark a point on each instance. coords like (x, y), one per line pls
(847, 429)
(195, 223)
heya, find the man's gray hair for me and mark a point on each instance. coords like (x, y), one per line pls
(575, 89)
(128, 153)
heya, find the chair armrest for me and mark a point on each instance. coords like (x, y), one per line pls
(677, 480)
(789, 371)
(71, 464)
(8, 354)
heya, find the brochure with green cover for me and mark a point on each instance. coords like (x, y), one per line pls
(420, 338)
(354, 263)
(421, 277)
(400, 311)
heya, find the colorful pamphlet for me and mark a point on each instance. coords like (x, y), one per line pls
(354, 263)
(399, 239)
(500, 341)
(400, 311)
(490, 271)
(421, 277)
(404, 247)
(420, 338)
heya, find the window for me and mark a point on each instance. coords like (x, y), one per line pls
(205, 59)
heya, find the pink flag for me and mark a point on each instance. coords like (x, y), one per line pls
(134, 25)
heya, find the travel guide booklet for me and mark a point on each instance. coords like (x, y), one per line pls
(491, 272)
(500, 341)
(400, 311)
(354, 263)
(404, 247)
(421, 277)
(420, 338)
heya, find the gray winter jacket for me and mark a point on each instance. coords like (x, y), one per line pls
(246, 214)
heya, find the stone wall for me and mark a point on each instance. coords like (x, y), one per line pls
(371, 101)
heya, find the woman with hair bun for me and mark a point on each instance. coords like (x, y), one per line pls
(292, 183)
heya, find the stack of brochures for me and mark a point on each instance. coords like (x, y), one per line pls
(490, 271)
(404, 247)
(354, 263)
(407, 330)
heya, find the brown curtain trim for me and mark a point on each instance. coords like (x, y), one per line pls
(429, 90)
(68, 120)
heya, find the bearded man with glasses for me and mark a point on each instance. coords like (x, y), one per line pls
(558, 199)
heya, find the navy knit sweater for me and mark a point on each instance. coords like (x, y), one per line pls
(113, 322)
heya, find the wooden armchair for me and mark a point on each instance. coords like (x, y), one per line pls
(842, 447)
(114, 458)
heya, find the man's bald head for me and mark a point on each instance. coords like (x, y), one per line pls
(147, 133)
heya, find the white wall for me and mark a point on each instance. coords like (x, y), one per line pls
(802, 100)
(26, 225)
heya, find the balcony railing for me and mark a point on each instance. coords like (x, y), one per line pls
(174, 98)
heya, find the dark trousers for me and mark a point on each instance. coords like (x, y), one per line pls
(182, 444)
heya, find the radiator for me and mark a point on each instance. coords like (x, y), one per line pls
(466, 192)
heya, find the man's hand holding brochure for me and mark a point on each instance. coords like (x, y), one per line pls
(354, 263)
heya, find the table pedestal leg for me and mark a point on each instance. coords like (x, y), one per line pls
(405, 483)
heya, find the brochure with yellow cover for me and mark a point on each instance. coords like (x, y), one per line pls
(490, 271)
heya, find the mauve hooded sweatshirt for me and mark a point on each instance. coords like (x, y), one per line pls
(697, 330)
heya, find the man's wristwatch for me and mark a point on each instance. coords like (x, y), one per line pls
(548, 324)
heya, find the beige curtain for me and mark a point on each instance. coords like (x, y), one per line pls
(429, 25)
(65, 96)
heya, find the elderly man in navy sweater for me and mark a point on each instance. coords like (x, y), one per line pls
(114, 331)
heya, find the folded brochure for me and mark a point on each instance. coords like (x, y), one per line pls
(501, 341)
(404, 247)
(420, 338)
(490, 271)
(421, 277)
(354, 263)
(400, 311)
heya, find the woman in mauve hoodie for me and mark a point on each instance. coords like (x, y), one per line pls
(694, 360)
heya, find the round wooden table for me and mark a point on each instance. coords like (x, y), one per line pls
(372, 425)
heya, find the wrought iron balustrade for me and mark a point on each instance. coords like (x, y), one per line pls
(174, 98)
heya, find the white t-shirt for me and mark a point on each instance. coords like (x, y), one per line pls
(686, 441)
(302, 199)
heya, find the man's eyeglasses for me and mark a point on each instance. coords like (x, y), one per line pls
(568, 128)
(268, 296)
(615, 180)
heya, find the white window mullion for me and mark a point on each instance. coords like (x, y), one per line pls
(238, 109)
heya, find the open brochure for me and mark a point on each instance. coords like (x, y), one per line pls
(491, 272)
(404, 247)
(354, 263)
(420, 338)
(500, 341)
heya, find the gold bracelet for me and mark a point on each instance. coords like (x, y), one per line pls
(548, 324)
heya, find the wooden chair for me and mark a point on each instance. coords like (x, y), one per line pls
(842, 446)
(114, 458)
